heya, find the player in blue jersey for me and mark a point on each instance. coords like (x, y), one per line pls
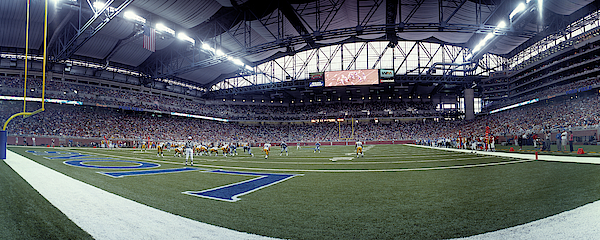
(317, 147)
(247, 147)
(284, 147)
(233, 149)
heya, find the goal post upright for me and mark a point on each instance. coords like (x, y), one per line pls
(340, 130)
(3, 132)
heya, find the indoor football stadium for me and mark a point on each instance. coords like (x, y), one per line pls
(299, 119)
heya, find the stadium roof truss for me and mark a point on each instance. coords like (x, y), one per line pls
(241, 43)
(258, 37)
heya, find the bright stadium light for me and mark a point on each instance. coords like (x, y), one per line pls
(132, 16)
(502, 24)
(487, 37)
(517, 10)
(185, 37)
(237, 62)
(207, 47)
(164, 29)
(219, 52)
(98, 5)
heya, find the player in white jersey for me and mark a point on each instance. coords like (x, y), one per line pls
(159, 150)
(359, 149)
(225, 149)
(266, 149)
(189, 151)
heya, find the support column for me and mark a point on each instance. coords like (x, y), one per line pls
(469, 104)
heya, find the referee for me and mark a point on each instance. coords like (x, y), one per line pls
(189, 151)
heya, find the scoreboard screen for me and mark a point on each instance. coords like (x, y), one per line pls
(352, 77)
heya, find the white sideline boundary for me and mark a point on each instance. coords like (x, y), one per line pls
(580, 223)
(106, 215)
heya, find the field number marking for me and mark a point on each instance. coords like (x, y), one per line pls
(231, 192)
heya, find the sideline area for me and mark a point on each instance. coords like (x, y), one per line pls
(528, 156)
(108, 216)
(579, 223)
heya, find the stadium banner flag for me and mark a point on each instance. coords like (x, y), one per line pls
(149, 38)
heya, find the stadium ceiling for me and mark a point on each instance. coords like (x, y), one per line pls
(256, 31)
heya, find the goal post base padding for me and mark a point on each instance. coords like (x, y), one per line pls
(3, 139)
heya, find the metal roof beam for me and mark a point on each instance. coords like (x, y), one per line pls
(73, 45)
(295, 19)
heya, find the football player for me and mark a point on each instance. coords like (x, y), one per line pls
(284, 147)
(266, 149)
(359, 149)
(159, 150)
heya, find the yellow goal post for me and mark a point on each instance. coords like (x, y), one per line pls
(24, 113)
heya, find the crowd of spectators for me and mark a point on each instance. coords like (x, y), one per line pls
(569, 71)
(98, 122)
(132, 99)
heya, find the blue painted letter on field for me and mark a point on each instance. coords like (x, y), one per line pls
(231, 192)
(149, 172)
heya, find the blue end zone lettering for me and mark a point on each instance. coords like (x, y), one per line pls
(149, 172)
(81, 163)
(51, 153)
(231, 192)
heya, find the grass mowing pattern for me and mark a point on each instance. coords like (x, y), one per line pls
(25, 214)
(426, 204)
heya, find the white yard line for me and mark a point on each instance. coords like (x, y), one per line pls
(108, 216)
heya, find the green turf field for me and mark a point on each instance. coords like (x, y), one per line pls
(394, 192)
